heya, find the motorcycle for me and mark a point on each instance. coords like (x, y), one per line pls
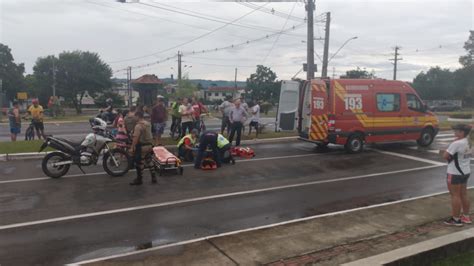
(116, 162)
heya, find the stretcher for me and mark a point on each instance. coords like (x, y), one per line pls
(242, 152)
(165, 161)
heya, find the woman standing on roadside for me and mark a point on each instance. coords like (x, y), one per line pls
(458, 156)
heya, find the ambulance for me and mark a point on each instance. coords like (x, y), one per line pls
(353, 112)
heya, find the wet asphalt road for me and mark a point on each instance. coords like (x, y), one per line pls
(328, 182)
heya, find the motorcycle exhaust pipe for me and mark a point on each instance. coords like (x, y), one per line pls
(61, 163)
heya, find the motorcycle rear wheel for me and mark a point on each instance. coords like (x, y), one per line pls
(55, 157)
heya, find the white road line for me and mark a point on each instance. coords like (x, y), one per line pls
(257, 228)
(414, 158)
(218, 196)
(186, 165)
(445, 139)
(445, 135)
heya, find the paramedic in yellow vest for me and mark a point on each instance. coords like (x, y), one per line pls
(223, 145)
(141, 147)
(36, 112)
(186, 145)
(207, 140)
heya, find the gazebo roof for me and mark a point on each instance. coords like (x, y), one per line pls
(147, 79)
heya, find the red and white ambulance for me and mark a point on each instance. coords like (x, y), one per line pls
(352, 112)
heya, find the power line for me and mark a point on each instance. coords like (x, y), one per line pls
(273, 12)
(189, 41)
(278, 36)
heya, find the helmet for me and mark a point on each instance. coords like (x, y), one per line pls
(35, 101)
(98, 124)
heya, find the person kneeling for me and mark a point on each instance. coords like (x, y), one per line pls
(186, 146)
(208, 139)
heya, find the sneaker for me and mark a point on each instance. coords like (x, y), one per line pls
(466, 219)
(452, 221)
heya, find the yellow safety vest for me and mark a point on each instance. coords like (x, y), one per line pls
(190, 137)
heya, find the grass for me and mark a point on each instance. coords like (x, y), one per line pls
(462, 259)
(20, 146)
(8, 147)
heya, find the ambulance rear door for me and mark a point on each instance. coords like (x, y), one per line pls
(287, 116)
(319, 111)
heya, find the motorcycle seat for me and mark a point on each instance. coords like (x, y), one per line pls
(75, 144)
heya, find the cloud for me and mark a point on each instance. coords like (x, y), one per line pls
(34, 28)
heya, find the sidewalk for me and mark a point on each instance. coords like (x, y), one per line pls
(328, 239)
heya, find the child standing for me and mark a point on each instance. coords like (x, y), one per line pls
(458, 156)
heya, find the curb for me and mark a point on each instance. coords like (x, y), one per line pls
(36, 155)
(422, 253)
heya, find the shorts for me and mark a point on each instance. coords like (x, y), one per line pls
(457, 179)
(38, 125)
(253, 124)
(159, 128)
(15, 130)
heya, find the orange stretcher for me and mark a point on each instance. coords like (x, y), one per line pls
(165, 161)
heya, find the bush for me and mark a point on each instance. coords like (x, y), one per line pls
(461, 116)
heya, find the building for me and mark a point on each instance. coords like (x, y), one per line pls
(148, 87)
(214, 94)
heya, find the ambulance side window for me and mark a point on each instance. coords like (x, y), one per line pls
(413, 103)
(388, 102)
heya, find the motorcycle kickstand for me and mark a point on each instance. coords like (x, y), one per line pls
(80, 168)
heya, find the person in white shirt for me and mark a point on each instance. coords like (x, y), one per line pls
(255, 120)
(458, 156)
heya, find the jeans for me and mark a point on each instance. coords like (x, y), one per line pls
(225, 124)
(236, 127)
(207, 140)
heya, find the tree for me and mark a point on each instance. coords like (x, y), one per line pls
(468, 60)
(185, 88)
(76, 73)
(11, 73)
(435, 84)
(262, 85)
(358, 74)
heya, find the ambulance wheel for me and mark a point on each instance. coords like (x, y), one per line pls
(426, 137)
(355, 144)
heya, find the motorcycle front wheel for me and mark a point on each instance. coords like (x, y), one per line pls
(55, 171)
(120, 165)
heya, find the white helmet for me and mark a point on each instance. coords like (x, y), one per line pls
(98, 124)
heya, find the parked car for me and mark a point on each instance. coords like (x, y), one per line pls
(352, 112)
(445, 107)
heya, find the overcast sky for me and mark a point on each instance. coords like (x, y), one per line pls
(429, 33)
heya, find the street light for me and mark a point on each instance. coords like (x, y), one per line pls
(342, 46)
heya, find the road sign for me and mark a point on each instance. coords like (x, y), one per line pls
(22, 96)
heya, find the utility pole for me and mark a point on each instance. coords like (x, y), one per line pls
(324, 71)
(54, 79)
(179, 65)
(310, 41)
(333, 72)
(129, 86)
(235, 80)
(395, 62)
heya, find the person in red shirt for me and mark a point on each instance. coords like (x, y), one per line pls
(159, 115)
(198, 109)
(186, 145)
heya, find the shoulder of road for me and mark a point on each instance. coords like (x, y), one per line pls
(409, 229)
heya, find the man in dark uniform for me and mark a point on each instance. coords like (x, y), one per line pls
(142, 146)
(208, 139)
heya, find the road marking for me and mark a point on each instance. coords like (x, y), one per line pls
(445, 139)
(445, 135)
(212, 197)
(414, 158)
(258, 228)
(185, 165)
